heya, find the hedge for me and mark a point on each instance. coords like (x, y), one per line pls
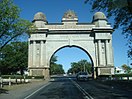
(122, 75)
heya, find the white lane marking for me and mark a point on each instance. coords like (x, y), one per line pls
(36, 91)
(86, 95)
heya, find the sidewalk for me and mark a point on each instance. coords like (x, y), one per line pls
(22, 90)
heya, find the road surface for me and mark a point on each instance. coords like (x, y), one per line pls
(70, 88)
(59, 88)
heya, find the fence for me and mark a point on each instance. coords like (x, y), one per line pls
(121, 78)
(10, 81)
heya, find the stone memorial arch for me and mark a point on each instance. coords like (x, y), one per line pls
(94, 38)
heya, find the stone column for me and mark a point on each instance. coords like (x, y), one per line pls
(34, 53)
(107, 47)
(41, 53)
(100, 53)
(29, 54)
(31, 72)
(96, 53)
(47, 73)
(111, 53)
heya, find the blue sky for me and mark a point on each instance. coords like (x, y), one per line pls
(54, 11)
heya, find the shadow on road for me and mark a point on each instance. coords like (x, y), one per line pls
(3, 91)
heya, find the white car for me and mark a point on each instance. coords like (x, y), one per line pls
(82, 76)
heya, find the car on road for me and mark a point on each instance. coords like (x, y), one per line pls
(82, 76)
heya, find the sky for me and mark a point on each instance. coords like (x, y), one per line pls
(54, 11)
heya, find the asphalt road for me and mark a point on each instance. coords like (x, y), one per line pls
(59, 88)
(99, 90)
(70, 88)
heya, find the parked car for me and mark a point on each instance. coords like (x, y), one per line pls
(82, 76)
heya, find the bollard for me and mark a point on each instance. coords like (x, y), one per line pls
(128, 78)
(24, 79)
(20, 80)
(1, 82)
(16, 81)
(9, 81)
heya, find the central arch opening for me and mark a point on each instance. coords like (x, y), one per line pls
(67, 57)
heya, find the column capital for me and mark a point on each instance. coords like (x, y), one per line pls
(99, 41)
(106, 41)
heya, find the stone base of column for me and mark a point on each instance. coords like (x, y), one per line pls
(105, 71)
(39, 71)
(95, 73)
(47, 75)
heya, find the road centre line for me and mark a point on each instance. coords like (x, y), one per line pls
(37, 90)
(87, 95)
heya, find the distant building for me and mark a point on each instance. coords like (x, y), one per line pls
(119, 70)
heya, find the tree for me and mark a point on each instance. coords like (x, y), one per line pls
(15, 57)
(121, 10)
(54, 67)
(53, 60)
(11, 25)
(75, 67)
(126, 68)
(86, 66)
(81, 65)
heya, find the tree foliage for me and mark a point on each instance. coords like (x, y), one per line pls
(82, 65)
(14, 58)
(54, 67)
(126, 68)
(11, 25)
(121, 10)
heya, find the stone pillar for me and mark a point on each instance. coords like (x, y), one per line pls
(47, 75)
(111, 53)
(41, 53)
(30, 71)
(29, 54)
(95, 73)
(100, 53)
(96, 53)
(107, 47)
(34, 53)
